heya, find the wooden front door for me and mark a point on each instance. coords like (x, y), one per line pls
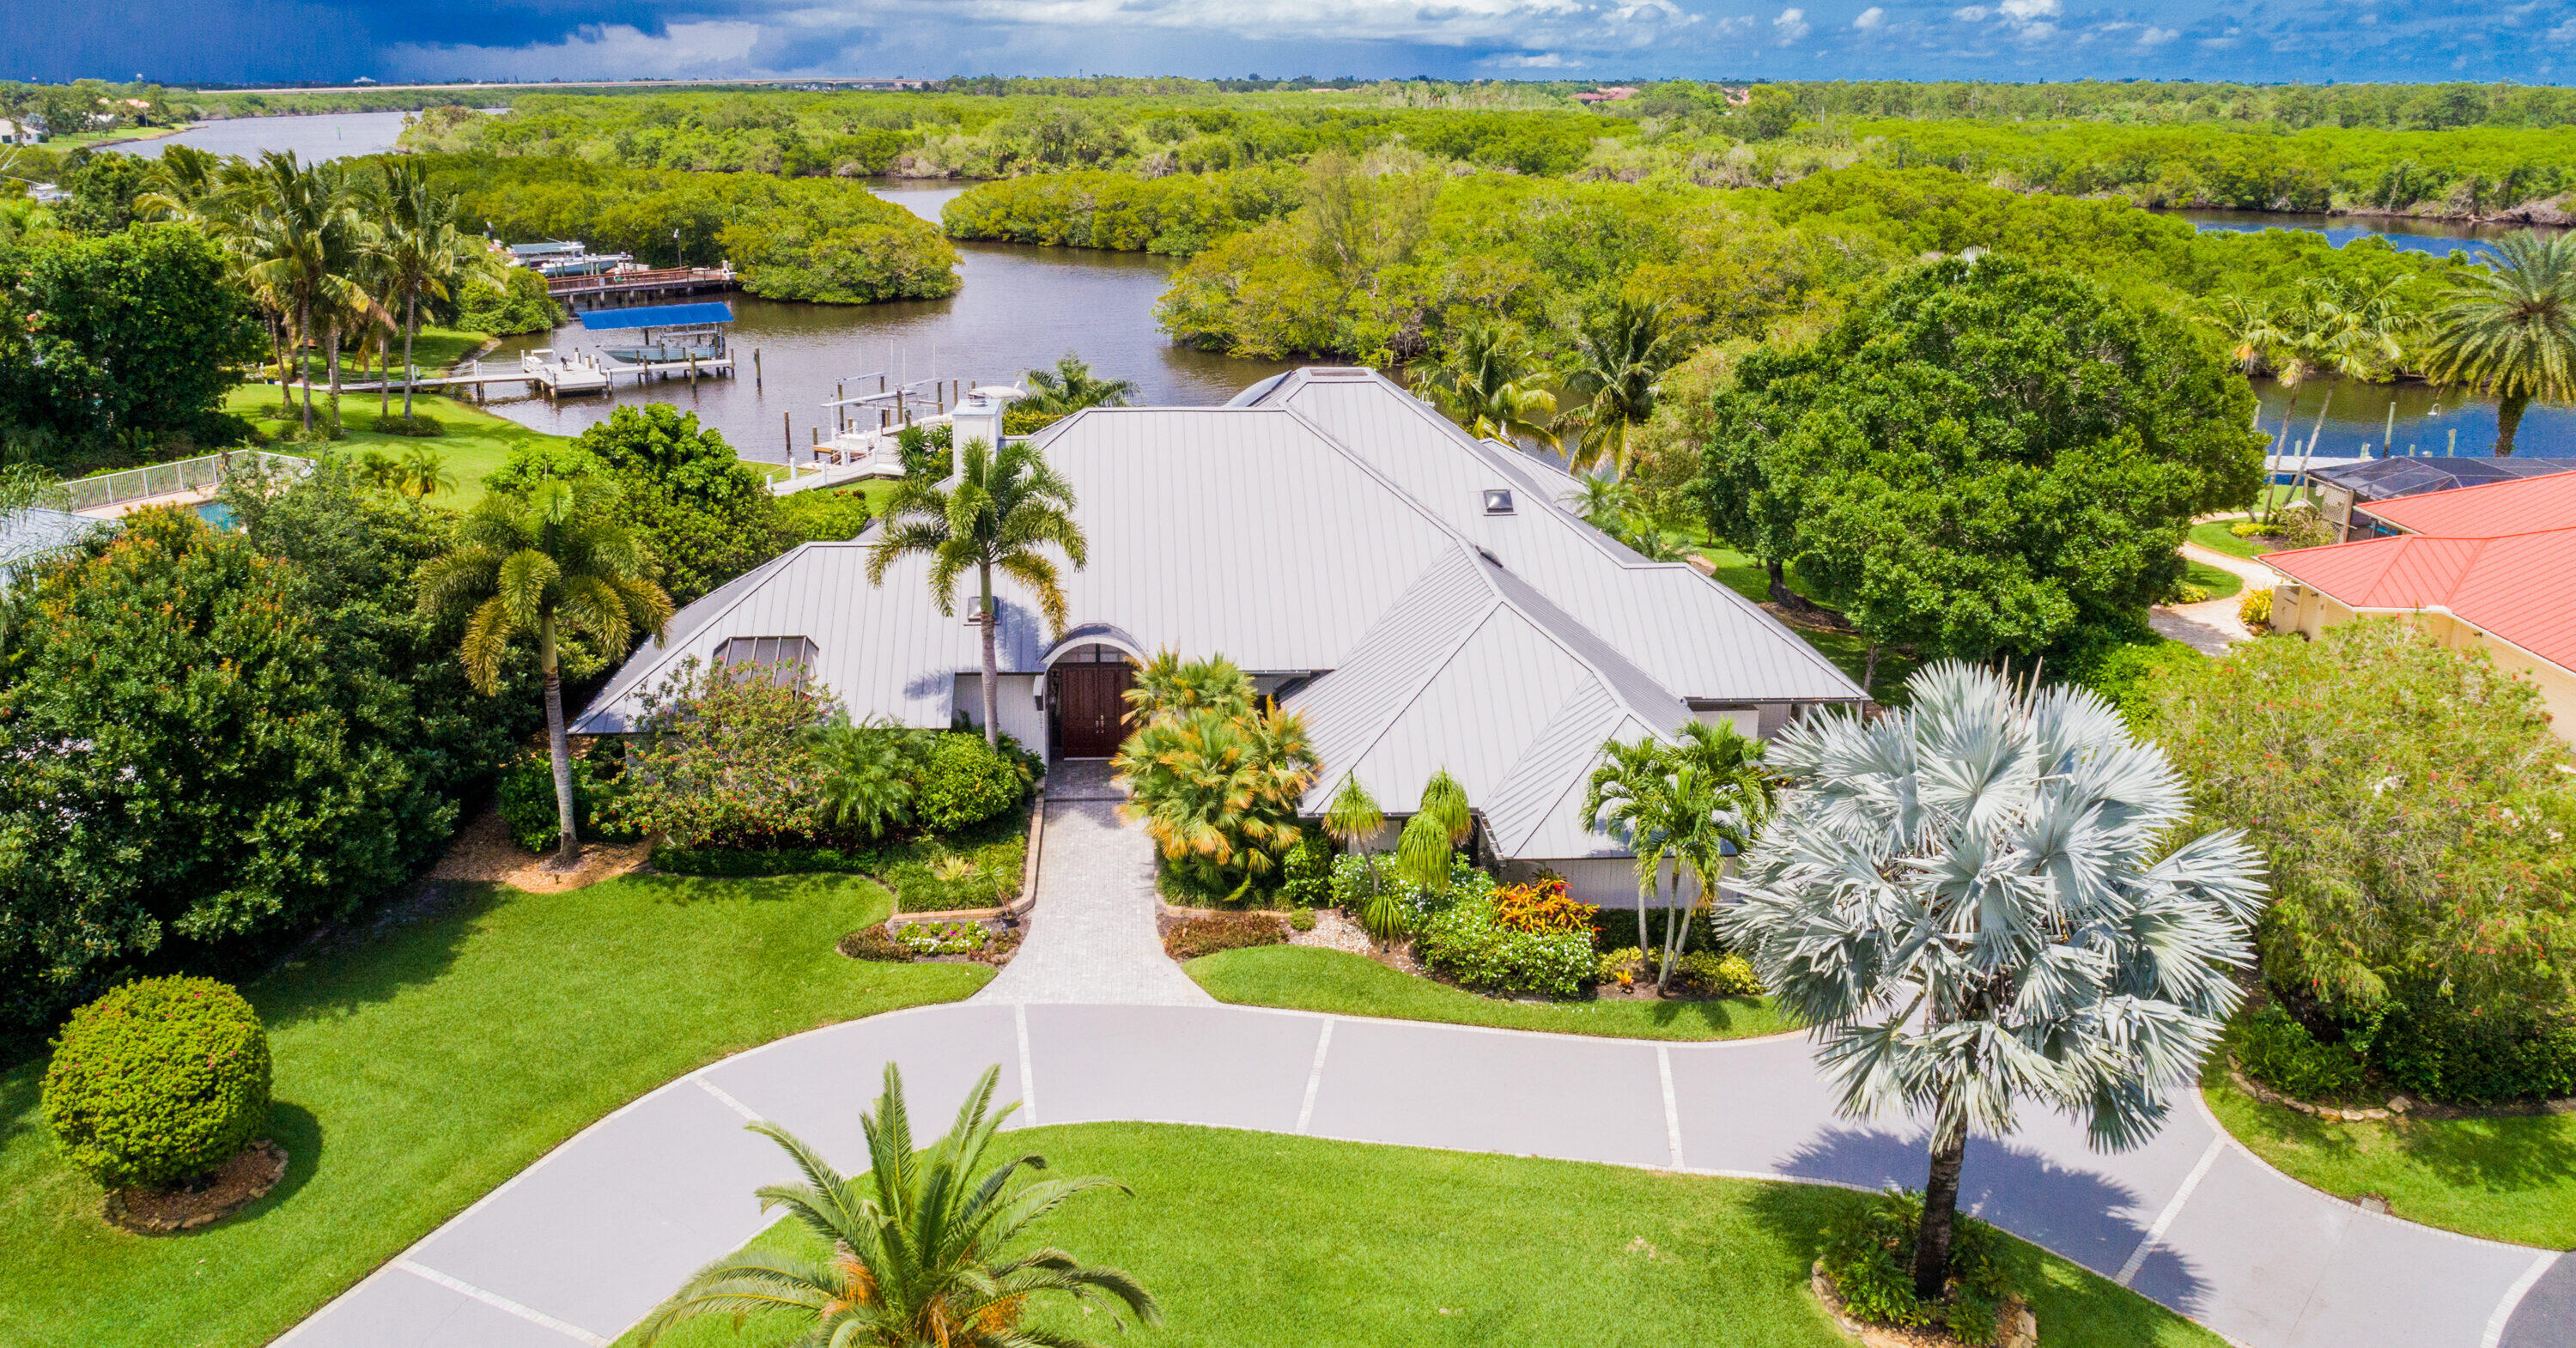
(1090, 707)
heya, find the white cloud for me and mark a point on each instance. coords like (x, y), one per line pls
(2026, 10)
(1546, 60)
(1970, 14)
(1791, 25)
(594, 51)
(2152, 36)
(1870, 19)
(2565, 32)
(2037, 32)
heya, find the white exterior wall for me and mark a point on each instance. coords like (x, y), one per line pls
(1611, 882)
(1021, 717)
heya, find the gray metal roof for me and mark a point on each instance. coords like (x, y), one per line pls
(2402, 475)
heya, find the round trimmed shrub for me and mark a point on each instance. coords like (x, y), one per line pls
(965, 781)
(159, 1080)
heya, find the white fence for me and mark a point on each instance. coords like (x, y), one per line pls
(202, 473)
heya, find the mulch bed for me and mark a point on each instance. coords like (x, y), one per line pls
(234, 1185)
(482, 851)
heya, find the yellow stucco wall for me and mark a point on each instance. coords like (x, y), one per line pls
(2300, 609)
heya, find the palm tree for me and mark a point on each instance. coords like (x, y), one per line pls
(1630, 798)
(868, 770)
(1620, 356)
(305, 245)
(1488, 383)
(1603, 502)
(921, 1245)
(2252, 332)
(422, 473)
(1353, 820)
(1984, 898)
(1720, 798)
(1443, 820)
(1005, 508)
(529, 566)
(1071, 387)
(2511, 329)
(423, 254)
(1217, 789)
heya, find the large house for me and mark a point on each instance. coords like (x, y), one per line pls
(2490, 567)
(1422, 598)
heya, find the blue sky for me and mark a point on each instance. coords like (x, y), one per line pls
(2264, 40)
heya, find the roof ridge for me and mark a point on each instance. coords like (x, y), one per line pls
(1503, 595)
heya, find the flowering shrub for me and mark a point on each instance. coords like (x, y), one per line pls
(1466, 943)
(1728, 975)
(722, 762)
(1544, 907)
(944, 938)
(159, 1080)
(2255, 609)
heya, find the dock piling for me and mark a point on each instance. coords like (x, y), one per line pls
(787, 431)
(755, 370)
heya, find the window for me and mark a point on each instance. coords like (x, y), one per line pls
(1498, 501)
(784, 655)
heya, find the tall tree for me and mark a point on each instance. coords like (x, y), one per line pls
(922, 1248)
(1621, 352)
(533, 565)
(1007, 508)
(1982, 899)
(1630, 797)
(423, 253)
(1488, 382)
(307, 244)
(137, 332)
(1071, 387)
(2510, 329)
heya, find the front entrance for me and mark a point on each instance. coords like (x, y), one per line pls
(1087, 703)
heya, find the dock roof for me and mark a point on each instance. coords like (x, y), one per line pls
(656, 316)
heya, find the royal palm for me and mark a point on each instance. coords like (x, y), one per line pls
(538, 565)
(1003, 510)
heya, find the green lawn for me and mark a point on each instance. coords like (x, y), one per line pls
(422, 1067)
(2220, 584)
(1251, 1239)
(1849, 652)
(2507, 1179)
(1310, 978)
(476, 441)
(2214, 536)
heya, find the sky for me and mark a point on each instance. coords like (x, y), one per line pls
(245, 41)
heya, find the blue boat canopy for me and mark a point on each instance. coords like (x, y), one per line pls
(657, 316)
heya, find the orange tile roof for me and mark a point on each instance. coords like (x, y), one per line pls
(2521, 506)
(2519, 587)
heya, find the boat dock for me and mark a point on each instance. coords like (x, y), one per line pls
(645, 282)
(547, 373)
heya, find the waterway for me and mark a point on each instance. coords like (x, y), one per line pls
(2439, 237)
(335, 135)
(1020, 308)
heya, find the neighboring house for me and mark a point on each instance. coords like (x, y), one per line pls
(2349, 492)
(2490, 567)
(27, 132)
(1420, 597)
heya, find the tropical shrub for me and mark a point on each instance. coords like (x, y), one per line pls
(159, 1080)
(1715, 975)
(926, 450)
(943, 938)
(1214, 779)
(2255, 609)
(2123, 673)
(732, 863)
(1208, 933)
(519, 303)
(720, 759)
(1306, 873)
(822, 516)
(2274, 1048)
(1867, 1256)
(526, 798)
(1621, 967)
(869, 772)
(965, 781)
(1301, 919)
(934, 877)
(2428, 1046)
(1544, 907)
(1467, 944)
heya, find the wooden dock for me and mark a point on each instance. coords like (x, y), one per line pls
(543, 372)
(661, 281)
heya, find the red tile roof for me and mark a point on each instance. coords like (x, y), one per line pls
(2524, 505)
(2520, 587)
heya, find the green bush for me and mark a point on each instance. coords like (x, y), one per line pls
(1306, 873)
(2430, 1049)
(2275, 1049)
(527, 799)
(1617, 927)
(161, 1079)
(2123, 672)
(925, 450)
(1207, 934)
(1301, 919)
(874, 942)
(418, 425)
(965, 781)
(1727, 975)
(1621, 967)
(934, 877)
(734, 863)
(1466, 945)
(1868, 1255)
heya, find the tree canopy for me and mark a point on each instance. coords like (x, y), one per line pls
(139, 332)
(1982, 457)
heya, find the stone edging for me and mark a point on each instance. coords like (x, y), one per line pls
(265, 1162)
(2397, 1105)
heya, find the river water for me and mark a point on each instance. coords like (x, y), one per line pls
(336, 135)
(1020, 307)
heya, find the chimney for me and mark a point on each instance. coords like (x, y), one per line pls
(979, 414)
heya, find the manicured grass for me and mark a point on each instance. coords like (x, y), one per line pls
(2220, 584)
(1251, 1239)
(476, 441)
(1849, 652)
(418, 1068)
(2214, 536)
(2506, 1179)
(1310, 978)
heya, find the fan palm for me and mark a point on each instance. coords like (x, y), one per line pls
(1217, 789)
(1488, 382)
(922, 1245)
(1170, 685)
(2510, 329)
(533, 565)
(1620, 355)
(1071, 387)
(1984, 898)
(1005, 509)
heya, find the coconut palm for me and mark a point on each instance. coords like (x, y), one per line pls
(1071, 387)
(533, 565)
(423, 252)
(1620, 355)
(2252, 330)
(922, 1246)
(1005, 509)
(1603, 502)
(1488, 382)
(2510, 329)
(305, 246)
(1985, 898)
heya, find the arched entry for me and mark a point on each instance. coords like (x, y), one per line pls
(1087, 701)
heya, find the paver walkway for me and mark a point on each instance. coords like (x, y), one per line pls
(2212, 626)
(1091, 933)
